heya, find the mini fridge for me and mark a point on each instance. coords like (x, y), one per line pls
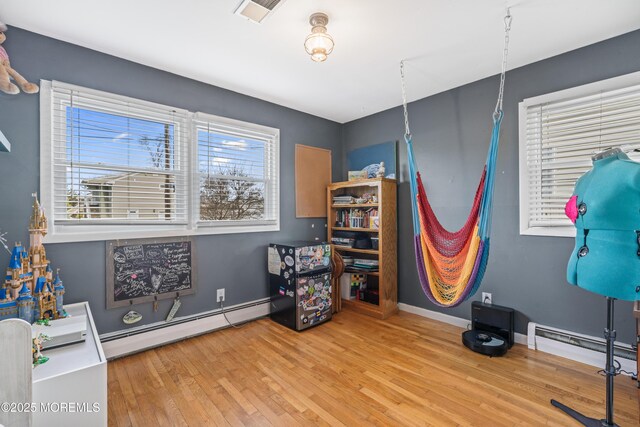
(300, 283)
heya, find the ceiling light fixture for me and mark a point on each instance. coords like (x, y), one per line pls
(318, 44)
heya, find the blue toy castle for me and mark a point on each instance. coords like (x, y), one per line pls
(29, 291)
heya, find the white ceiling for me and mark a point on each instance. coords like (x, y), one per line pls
(449, 42)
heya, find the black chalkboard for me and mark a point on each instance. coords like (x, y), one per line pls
(143, 270)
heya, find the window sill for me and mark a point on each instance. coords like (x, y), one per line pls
(569, 231)
(233, 229)
(93, 236)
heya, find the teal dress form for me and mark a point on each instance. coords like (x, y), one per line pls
(606, 210)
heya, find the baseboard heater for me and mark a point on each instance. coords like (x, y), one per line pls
(129, 341)
(583, 348)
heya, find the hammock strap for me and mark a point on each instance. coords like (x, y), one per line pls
(407, 131)
(498, 109)
(413, 176)
(487, 199)
(505, 54)
(486, 208)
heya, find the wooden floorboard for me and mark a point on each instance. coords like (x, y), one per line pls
(354, 370)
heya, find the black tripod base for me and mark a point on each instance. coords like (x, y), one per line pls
(586, 421)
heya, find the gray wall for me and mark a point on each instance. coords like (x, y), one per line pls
(236, 262)
(451, 132)
(451, 135)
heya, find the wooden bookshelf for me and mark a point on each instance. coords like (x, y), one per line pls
(356, 205)
(362, 251)
(386, 278)
(369, 230)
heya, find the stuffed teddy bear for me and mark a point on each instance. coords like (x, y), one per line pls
(7, 73)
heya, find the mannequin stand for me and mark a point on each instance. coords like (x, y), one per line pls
(610, 371)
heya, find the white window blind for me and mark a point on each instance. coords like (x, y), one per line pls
(559, 133)
(117, 167)
(115, 160)
(237, 178)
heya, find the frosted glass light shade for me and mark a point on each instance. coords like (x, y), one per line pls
(318, 44)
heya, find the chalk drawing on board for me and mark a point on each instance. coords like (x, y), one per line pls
(146, 270)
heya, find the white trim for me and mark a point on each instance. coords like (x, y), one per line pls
(202, 323)
(579, 354)
(204, 229)
(525, 229)
(94, 330)
(435, 315)
(545, 345)
(270, 136)
(574, 92)
(260, 131)
(451, 320)
(114, 97)
(118, 233)
(53, 95)
(46, 148)
(64, 232)
(569, 231)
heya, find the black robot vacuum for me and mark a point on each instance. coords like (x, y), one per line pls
(491, 331)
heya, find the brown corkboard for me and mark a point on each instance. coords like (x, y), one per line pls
(313, 175)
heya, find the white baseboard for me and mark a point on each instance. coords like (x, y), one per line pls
(583, 355)
(139, 340)
(451, 320)
(568, 351)
(435, 315)
(185, 327)
(579, 354)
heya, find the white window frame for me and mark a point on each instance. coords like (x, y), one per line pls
(251, 131)
(569, 230)
(61, 231)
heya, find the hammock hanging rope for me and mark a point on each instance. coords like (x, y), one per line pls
(451, 264)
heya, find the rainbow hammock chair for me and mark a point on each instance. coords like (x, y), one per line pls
(451, 264)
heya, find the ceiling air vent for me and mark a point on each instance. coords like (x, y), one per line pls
(256, 10)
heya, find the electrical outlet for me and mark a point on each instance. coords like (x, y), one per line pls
(486, 297)
(220, 296)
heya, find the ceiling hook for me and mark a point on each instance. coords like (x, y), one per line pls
(507, 19)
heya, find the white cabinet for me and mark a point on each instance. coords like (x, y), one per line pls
(72, 385)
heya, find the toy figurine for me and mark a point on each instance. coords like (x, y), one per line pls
(7, 73)
(42, 322)
(36, 347)
(381, 171)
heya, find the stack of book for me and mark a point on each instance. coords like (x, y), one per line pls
(343, 241)
(343, 200)
(363, 265)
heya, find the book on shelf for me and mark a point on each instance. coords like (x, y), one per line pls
(363, 265)
(343, 241)
(369, 262)
(358, 218)
(355, 269)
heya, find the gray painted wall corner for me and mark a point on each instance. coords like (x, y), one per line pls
(236, 262)
(451, 135)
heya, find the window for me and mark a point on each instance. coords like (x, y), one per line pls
(559, 132)
(237, 179)
(113, 166)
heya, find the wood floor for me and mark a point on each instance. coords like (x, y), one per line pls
(354, 370)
